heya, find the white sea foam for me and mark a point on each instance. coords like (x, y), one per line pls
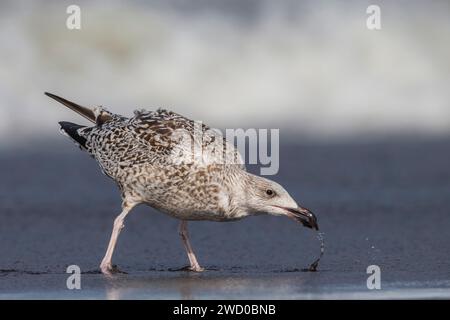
(308, 68)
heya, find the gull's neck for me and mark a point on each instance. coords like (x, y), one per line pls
(238, 185)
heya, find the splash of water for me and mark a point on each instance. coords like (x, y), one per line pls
(313, 266)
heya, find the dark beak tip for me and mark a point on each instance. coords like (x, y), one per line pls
(311, 221)
(311, 225)
(314, 223)
(305, 217)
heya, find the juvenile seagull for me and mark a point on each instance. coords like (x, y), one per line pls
(153, 163)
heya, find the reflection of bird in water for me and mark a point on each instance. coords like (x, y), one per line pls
(159, 159)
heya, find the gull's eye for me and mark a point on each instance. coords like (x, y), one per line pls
(270, 192)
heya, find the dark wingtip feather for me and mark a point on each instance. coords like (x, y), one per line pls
(71, 129)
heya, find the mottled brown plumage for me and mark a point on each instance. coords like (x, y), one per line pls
(178, 166)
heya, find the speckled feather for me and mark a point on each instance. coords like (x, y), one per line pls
(179, 166)
(149, 159)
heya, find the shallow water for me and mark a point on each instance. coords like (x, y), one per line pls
(382, 203)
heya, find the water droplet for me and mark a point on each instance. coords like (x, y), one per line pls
(315, 264)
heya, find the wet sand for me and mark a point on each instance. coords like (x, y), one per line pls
(380, 203)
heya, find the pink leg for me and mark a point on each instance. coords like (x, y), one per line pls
(185, 237)
(106, 265)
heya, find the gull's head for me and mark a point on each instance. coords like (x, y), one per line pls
(266, 196)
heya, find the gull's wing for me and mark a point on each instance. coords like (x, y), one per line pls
(181, 140)
(157, 138)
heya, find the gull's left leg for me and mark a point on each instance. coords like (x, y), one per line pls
(106, 265)
(185, 237)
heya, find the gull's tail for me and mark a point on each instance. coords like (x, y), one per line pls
(85, 112)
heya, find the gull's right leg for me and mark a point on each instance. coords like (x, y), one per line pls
(106, 265)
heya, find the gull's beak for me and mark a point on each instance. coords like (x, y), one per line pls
(304, 216)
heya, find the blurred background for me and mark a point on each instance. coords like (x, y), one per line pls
(311, 68)
(364, 121)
